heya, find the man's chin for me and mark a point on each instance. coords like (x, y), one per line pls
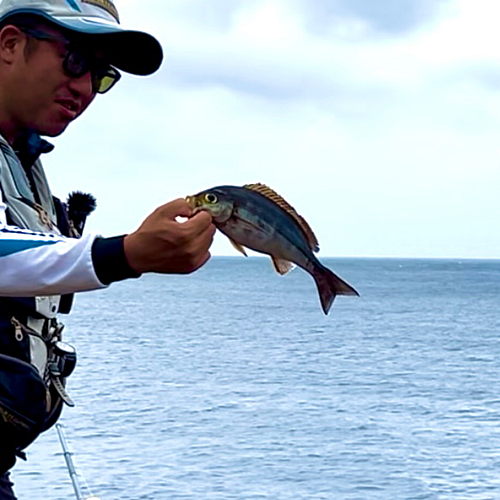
(53, 130)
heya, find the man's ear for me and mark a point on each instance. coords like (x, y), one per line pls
(12, 40)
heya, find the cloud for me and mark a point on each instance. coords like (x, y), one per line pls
(380, 128)
(394, 17)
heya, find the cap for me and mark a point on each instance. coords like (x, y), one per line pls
(129, 50)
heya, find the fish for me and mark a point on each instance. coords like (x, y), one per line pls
(254, 216)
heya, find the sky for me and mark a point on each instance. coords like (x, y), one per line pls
(378, 121)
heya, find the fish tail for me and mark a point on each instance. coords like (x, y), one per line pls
(329, 286)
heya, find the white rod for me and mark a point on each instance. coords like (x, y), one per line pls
(69, 463)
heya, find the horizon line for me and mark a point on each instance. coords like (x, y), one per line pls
(386, 257)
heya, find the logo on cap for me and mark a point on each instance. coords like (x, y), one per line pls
(107, 5)
(74, 5)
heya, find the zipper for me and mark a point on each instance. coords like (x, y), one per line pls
(42, 213)
(44, 216)
(20, 330)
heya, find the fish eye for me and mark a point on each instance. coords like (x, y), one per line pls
(211, 198)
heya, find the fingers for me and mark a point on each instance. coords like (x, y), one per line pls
(201, 232)
(162, 244)
(204, 260)
(200, 222)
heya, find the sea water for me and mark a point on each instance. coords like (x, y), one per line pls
(232, 384)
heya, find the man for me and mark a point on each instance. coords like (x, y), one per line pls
(55, 56)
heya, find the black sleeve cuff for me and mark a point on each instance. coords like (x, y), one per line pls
(110, 263)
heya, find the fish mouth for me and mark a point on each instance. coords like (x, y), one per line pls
(193, 204)
(191, 201)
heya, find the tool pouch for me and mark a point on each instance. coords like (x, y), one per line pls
(23, 398)
(32, 387)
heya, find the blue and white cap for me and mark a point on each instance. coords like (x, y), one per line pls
(131, 51)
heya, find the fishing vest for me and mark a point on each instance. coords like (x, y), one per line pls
(29, 329)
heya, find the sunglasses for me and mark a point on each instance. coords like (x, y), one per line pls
(77, 62)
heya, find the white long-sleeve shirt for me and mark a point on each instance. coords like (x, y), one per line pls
(33, 263)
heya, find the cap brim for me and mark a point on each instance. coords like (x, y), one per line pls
(131, 51)
(134, 52)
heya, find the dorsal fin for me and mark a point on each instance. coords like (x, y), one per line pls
(276, 198)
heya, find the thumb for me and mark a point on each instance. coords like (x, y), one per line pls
(176, 208)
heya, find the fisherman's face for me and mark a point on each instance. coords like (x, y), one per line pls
(41, 95)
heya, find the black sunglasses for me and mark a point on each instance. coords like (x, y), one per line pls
(77, 62)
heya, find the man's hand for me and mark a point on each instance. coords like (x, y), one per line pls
(164, 245)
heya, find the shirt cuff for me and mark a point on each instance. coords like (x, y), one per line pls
(110, 263)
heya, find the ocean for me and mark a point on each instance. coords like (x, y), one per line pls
(232, 384)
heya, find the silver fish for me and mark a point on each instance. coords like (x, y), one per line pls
(256, 217)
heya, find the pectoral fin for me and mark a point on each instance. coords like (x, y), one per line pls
(281, 266)
(238, 247)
